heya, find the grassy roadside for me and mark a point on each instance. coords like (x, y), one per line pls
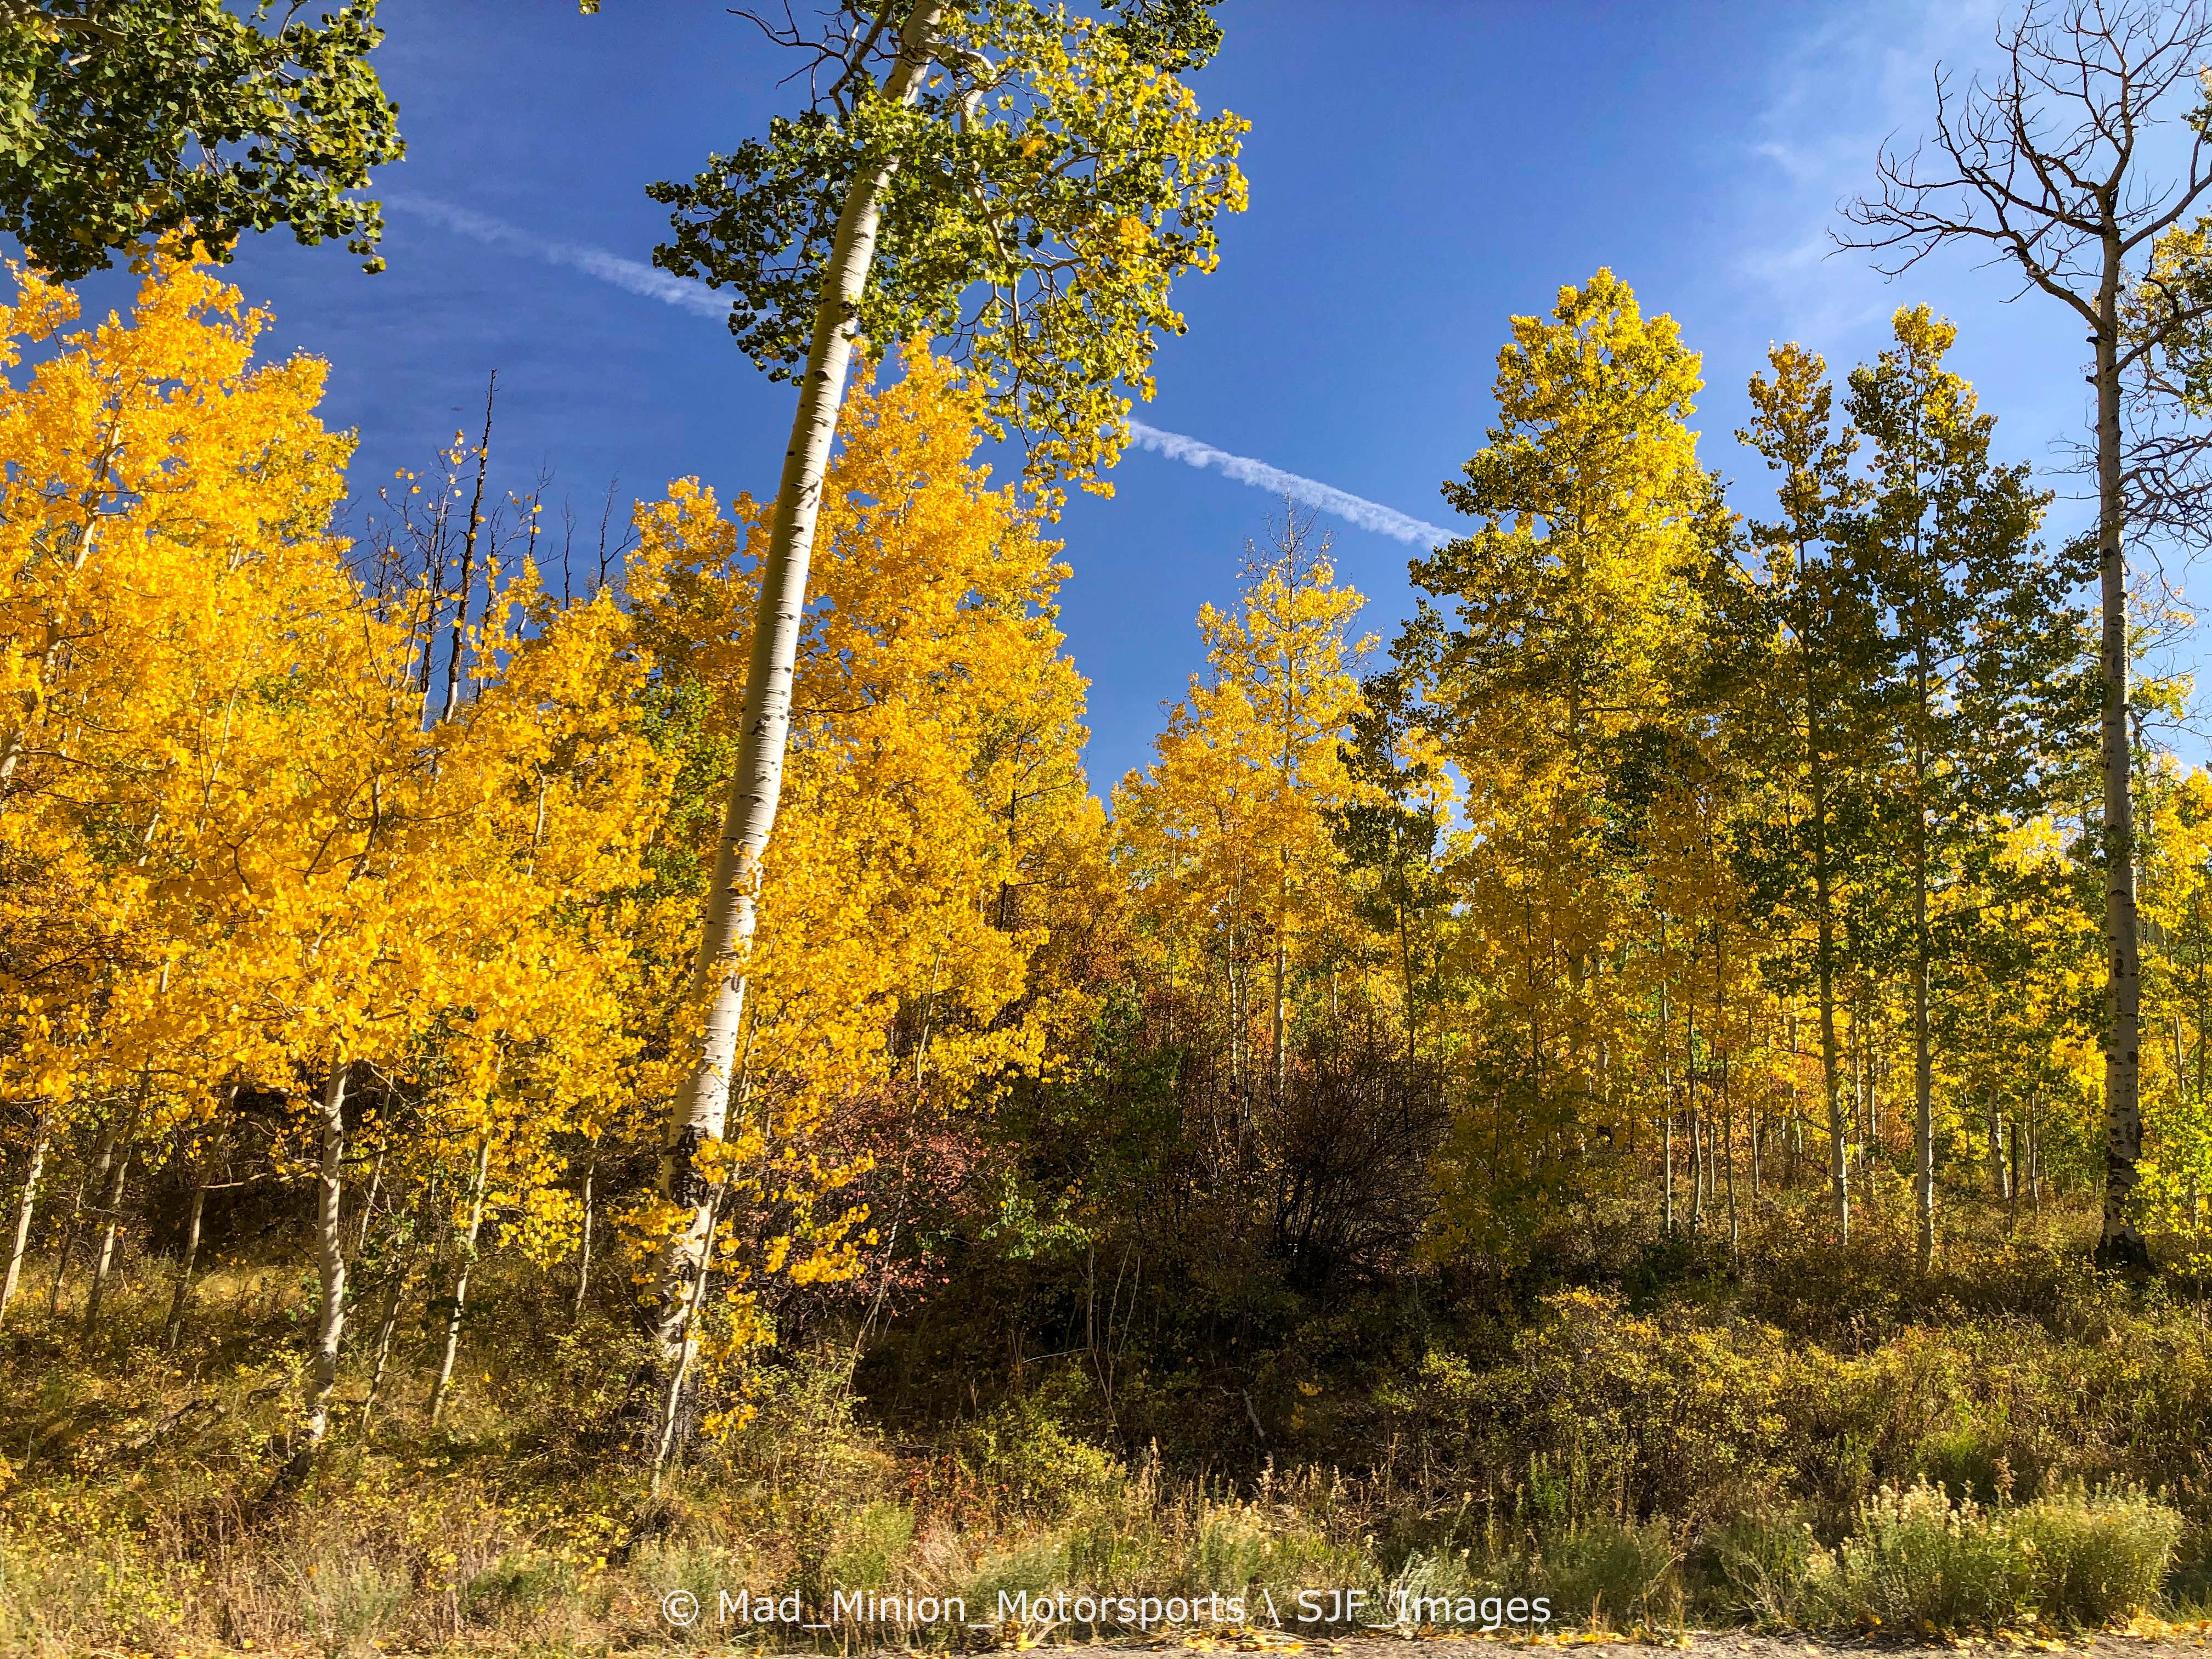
(2034, 1462)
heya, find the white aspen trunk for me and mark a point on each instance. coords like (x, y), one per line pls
(2012, 1182)
(384, 1342)
(1697, 1132)
(92, 1181)
(2201, 1096)
(1758, 1123)
(1405, 964)
(1924, 1122)
(1280, 1061)
(1832, 1082)
(1817, 774)
(68, 1246)
(1286, 784)
(702, 1105)
(460, 1297)
(368, 1205)
(397, 1293)
(26, 1206)
(1727, 1148)
(2035, 1152)
(1728, 1154)
(671, 1404)
(2118, 1243)
(330, 1255)
(583, 1244)
(1861, 1069)
(174, 1330)
(111, 1219)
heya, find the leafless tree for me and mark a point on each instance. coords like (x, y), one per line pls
(2044, 168)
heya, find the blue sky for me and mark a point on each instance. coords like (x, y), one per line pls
(1420, 170)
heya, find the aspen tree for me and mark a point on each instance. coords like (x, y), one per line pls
(457, 1295)
(2050, 168)
(1552, 689)
(34, 1169)
(894, 959)
(1806, 626)
(1944, 539)
(127, 123)
(2178, 898)
(1239, 804)
(1023, 182)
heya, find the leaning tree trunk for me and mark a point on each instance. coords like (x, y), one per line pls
(25, 1206)
(174, 1330)
(68, 1246)
(111, 1223)
(384, 1329)
(702, 1104)
(2118, 1243)
(584, 1243)
(330, 1255)
(459, 1301)
(96, 1182)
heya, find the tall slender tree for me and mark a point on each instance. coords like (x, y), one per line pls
(1795, 642)
(1021, 182)
(1978, 640)
(2051, 167)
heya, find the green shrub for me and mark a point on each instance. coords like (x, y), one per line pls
(2099, 1556)
(522, 1581)
(1235, 1547)
(1608, 1575)
(1756, 1565)
(1920, 1561)
(701, 1572)
(870, 1548)
(346, 1608)
(1026, 1451)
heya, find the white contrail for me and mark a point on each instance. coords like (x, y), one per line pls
(1311, 492)
(650, 284)
(638, 278)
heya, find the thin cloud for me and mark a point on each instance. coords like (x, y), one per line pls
(1306, 492)
(646, 282)
(1811, 151)
(631, 275)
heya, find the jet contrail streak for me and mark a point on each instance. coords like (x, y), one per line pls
(648, 283)
(630, 274)
(1311, 492)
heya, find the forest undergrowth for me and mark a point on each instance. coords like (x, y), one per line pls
(1647, 1436)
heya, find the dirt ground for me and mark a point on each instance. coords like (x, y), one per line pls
(2150, 1641)
(2168, 1641)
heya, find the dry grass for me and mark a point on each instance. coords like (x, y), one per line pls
(1639, 1470)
